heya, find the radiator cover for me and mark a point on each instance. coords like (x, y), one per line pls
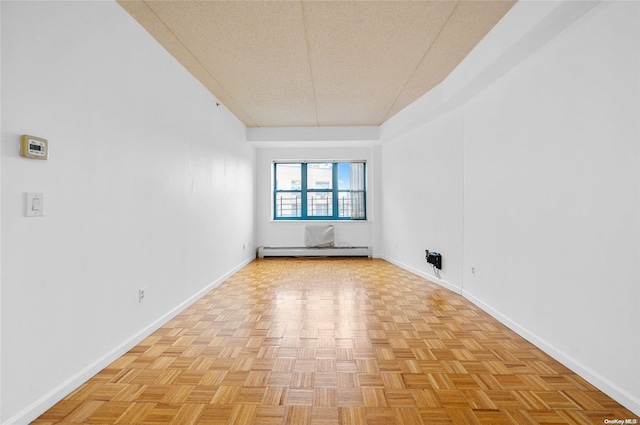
(352, 251)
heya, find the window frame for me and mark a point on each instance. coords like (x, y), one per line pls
(304, 191)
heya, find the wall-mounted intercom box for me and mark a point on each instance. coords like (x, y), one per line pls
(34, 147)
(434, 258)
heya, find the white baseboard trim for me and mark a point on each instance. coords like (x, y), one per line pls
(45, 402)
(423, 274)
(628, 400)
(337, 251)
(41, 405)
(625, 398)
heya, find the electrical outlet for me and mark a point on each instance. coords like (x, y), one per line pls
(243, 247)
(473, 270)
(141, 294)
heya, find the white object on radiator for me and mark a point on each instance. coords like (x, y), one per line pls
(353, 251)
(319, 236)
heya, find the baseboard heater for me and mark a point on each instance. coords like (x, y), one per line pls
(334, 251)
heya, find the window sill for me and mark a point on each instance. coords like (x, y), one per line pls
(319, 221)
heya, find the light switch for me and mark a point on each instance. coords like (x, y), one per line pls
(34, 204)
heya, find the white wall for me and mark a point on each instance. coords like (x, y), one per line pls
(550, 196)
(422, 199)
(552, 212)
(291, 233)
(0, 225)
(148, 185)
(530, 155)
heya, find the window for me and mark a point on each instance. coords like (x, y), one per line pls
(319, 191)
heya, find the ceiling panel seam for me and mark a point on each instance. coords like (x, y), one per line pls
(146, 3)
(426, 52)
(306, 42)
(357, 54)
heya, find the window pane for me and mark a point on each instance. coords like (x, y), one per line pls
(351, 205)
(288, 204)
(319, 204)
(288, 176)
(351, 176)
(344, 176)
(319, 176)
(327, 190)
(344, 204)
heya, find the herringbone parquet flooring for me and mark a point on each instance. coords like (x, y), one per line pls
(334, 341)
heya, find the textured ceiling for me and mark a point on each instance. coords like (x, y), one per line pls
(318, 63)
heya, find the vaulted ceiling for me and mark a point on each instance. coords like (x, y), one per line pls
(318, 63)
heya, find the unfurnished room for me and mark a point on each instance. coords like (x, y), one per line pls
(320, 212)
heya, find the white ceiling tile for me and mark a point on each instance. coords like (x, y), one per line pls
(318, 63)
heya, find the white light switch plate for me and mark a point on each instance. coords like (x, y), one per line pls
(34, 204)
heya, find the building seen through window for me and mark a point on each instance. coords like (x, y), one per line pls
(319, 190)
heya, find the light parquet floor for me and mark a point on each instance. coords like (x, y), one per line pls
(334, 341)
